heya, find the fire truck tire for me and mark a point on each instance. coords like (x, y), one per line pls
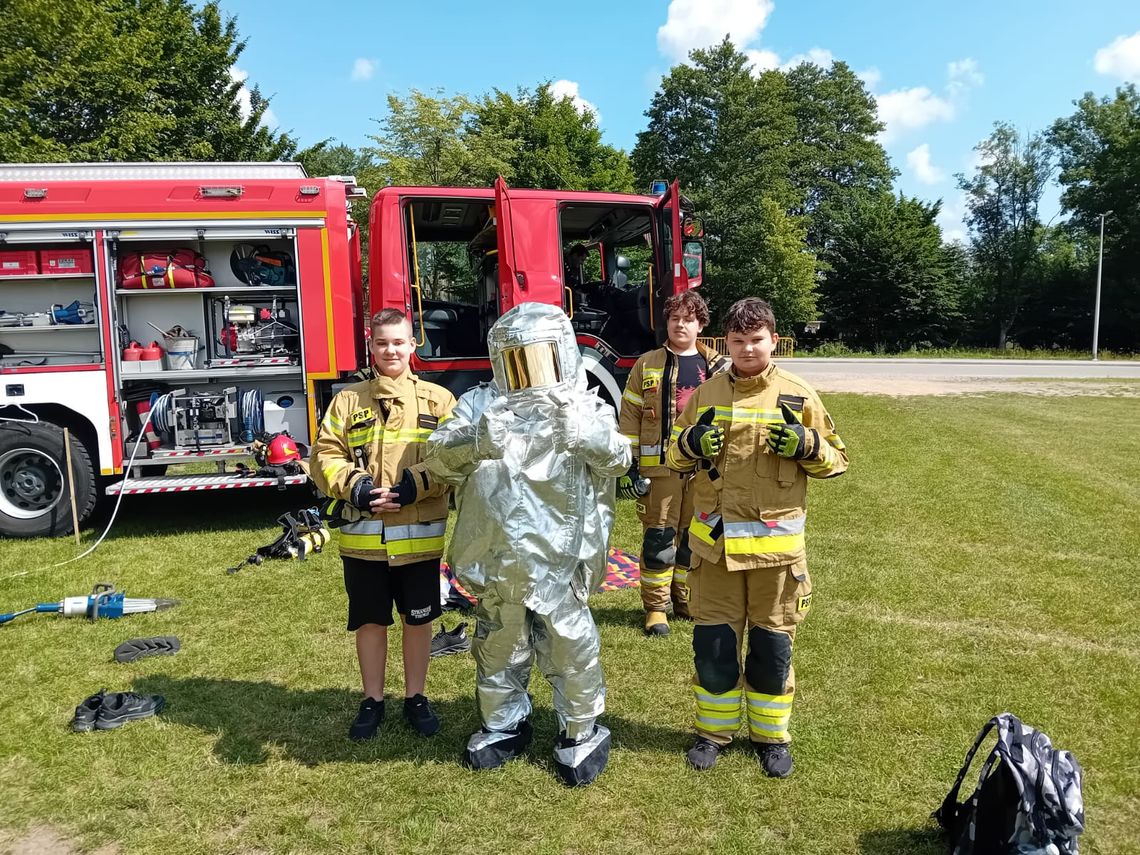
(34, 499)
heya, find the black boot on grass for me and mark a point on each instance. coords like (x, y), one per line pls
(368, 720)
(421, 716)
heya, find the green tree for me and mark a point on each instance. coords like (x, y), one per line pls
(836, 156)
(552, 143)
(1098, 150)
(724, 133)
(893, 282)
(768, 257)
(427, 141)
(1002, 200)
(98, 80)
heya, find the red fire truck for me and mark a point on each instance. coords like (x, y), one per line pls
(226, 300)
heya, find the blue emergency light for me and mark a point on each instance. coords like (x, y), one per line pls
(658, 188)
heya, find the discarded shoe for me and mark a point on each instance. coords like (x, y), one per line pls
(490, 749)
(702, 756)
(367, 721)
(118, 708)
(86, 712)
(656, 623)
(775, 759)
(140, 648)
(445, 642)
(419, 714)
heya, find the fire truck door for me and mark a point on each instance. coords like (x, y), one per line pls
(672, 277)
(512, 281)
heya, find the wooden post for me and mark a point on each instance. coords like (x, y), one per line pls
(71, 484)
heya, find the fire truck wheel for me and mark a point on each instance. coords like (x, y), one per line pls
(34, 500)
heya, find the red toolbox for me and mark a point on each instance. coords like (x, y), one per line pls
(18, 262)
(59, 261)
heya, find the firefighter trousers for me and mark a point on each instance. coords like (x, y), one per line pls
(766, 603)
(665, 513)
(509, 637)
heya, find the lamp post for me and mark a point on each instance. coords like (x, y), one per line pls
(1099, 268)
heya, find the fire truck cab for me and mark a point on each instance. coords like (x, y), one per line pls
(456, 259)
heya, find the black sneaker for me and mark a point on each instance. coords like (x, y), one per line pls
(775, 759)
(445, 642)
(368, 719)
(86, 712)
(120, 707)
(702, 756)
(421, 716)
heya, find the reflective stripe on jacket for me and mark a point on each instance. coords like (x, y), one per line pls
(379, 427)
(751, 504)
(647, 405)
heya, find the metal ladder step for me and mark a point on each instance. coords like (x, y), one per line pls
(195, 483)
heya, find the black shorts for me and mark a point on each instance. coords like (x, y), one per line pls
(373, 586)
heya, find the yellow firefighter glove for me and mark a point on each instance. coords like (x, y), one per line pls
(791, 439)
(703, 439)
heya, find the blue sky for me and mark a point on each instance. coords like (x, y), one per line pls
(943, 72)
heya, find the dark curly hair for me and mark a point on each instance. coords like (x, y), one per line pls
(749, 315)
(688, 303)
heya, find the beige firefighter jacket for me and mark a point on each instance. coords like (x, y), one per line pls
(379, 427)
(750, 504)
(647, 404)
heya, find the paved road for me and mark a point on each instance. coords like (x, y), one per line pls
(946, 369)
(968, 376)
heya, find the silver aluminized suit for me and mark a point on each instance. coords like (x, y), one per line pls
(534, 471)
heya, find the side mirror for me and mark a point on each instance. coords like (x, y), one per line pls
(622, 262)
(693, 256)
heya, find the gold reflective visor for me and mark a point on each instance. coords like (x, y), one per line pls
(531, 366)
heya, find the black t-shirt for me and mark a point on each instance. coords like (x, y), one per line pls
(692, 371)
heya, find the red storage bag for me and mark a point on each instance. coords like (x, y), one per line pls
(180, 268)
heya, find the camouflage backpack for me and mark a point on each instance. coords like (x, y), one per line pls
(1027, 801)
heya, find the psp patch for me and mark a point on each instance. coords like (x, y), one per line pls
(803, 603)
(359, 417)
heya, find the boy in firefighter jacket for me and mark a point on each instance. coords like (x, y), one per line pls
(753, 436)
(659, 386)
(392, 515)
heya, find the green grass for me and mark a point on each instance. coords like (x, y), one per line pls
(840, 350)
(981, 555)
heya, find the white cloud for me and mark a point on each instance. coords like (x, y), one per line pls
(870, 77)
(963, 75)
(903, 110)
(918, 160)
(569, 89)
(762, 60)
(1121, 58)
(245, 105)
(700, 23)
(909, 109)
(816, 56)
(363, 69)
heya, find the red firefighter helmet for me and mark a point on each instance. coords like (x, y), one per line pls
(281, 450)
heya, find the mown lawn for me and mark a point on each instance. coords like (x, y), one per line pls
(981, 555)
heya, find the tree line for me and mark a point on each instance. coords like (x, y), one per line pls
(794, 189)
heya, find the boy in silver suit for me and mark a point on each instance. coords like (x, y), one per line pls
(534, 457)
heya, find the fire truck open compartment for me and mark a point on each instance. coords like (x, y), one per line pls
(244, 372)
(48, 308)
